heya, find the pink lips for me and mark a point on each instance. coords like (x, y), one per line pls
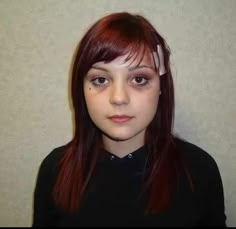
(120, 118)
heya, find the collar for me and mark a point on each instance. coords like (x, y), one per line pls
(134, 161)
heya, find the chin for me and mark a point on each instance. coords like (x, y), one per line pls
(119, 137)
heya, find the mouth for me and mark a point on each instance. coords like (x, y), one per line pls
(120, 118)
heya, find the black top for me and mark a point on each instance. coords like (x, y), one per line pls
(112, 196)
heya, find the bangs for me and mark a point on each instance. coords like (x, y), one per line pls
(118, 39)
(108, 50)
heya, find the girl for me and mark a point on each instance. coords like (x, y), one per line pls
(124, 166)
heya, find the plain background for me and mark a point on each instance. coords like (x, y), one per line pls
(37, 42)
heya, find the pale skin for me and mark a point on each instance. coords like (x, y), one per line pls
(122, 88)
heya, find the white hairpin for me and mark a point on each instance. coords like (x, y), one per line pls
(159, 61)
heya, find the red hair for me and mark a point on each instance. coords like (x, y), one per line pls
(110, 37)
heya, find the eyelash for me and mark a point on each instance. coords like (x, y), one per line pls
(143, 77)
(96, 84)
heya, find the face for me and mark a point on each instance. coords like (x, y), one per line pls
(122, 97)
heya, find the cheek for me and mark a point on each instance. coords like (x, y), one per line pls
(149, 102)
(150, 107)
(89, 100)
(91, 103)
(94, 104)
(147, 107)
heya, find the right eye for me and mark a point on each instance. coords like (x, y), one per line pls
(99, 81)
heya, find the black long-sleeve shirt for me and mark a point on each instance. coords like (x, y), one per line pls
(112, 196)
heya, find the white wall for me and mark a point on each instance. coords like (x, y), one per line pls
(37, 40)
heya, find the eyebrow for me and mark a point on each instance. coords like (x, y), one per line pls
(130, 68)
(140, 66)
(100, 68)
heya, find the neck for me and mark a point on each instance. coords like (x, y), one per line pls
(122, 148)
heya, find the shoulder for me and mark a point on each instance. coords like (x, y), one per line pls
(51, 161)
(55, 155)
(206, 183)
(198, 161)
(194, 153)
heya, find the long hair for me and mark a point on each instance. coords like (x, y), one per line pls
(110, 37)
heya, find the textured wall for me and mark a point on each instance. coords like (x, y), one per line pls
(37, 40)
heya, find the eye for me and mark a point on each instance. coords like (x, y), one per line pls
(99, 81)
(140, 80)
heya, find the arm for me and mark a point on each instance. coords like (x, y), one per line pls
(43, 208)
(215, 198)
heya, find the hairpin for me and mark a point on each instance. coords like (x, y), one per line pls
(159, 60)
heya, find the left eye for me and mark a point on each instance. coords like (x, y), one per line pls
(140, 80)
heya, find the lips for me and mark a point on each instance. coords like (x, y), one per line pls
(120, 118)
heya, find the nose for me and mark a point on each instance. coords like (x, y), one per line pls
(119, 95)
